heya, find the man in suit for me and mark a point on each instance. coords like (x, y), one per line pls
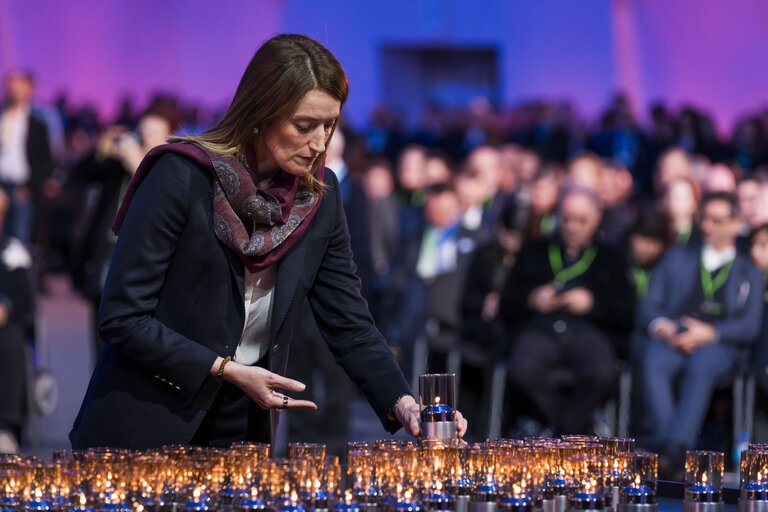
(701, 314)
(431, 275)
(568, 305)
(25, 159)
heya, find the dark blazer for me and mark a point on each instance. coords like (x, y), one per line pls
(678, 271)
(39, 157)
(607, 278)
(173, 302)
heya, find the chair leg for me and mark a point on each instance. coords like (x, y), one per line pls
(498, 386)
(738, 414)
(625, 402)
(749, 407)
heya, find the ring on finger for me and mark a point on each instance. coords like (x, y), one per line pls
(285, 403)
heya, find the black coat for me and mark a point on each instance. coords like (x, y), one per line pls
(173, 302)
(607, 278)
(18, 297)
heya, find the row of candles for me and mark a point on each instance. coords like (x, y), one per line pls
(552, 475)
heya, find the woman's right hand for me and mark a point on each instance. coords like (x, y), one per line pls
(264, 387)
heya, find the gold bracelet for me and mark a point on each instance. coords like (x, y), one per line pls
(220, 373)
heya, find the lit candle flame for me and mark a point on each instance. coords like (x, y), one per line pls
(637, 480)
(286, 488)
(254, 492)
(294, 497)
(196, 493)
(759, 477)
(408, 494)
(437, 400)
(82, 500)
(348, 497)
(704, 478)
(38, 493)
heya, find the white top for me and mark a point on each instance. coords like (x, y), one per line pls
(259, 294)
(14, 166)
(713, 259)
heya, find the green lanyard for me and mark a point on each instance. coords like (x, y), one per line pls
(563, 275)
(547, 224)
(642, 278)
(683, 237)
(709, 285)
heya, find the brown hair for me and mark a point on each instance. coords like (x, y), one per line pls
(280, 74)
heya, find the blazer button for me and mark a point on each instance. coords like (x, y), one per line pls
(275, 348)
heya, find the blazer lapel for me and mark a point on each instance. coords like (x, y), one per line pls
(237, 267)
(286, 280)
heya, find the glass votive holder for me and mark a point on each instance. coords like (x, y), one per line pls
(588, 496)
(439, 499)
(437, 402)
(311, 451)
(639, 482)
(703, 481)
(753, 480)
(617, 445)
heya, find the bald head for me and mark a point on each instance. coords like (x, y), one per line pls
(581, 214)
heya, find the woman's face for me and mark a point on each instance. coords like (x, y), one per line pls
(680, 200)
(294, 143)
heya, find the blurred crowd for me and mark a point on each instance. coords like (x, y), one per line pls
(567, 250)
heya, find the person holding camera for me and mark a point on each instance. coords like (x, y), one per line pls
(106, 173)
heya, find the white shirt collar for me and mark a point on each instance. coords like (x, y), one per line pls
(714, 259)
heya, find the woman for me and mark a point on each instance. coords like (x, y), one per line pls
(219, 245)
(681, 203)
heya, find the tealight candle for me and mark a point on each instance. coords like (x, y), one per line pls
(439, 501)
(753, 488)
(703, 477)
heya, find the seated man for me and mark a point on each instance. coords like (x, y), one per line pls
(701, 314)
(570, 301)
(17, 309)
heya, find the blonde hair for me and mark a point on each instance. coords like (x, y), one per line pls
(280, 74)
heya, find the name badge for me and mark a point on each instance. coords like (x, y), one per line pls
(710, 307)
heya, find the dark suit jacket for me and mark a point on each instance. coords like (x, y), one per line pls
(678, 271)
(173, 302)
(607, 278)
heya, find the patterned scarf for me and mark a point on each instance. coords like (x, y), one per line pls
(260, 225)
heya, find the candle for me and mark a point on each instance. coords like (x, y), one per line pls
(249, 503)
(753, 471)
(486, 492)
(637, 495)
(440, 501)
(702, 492)
(437, 412)
(347, 504)
(516, 504)
(588, 498)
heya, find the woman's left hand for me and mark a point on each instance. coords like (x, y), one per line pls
(407, 412)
